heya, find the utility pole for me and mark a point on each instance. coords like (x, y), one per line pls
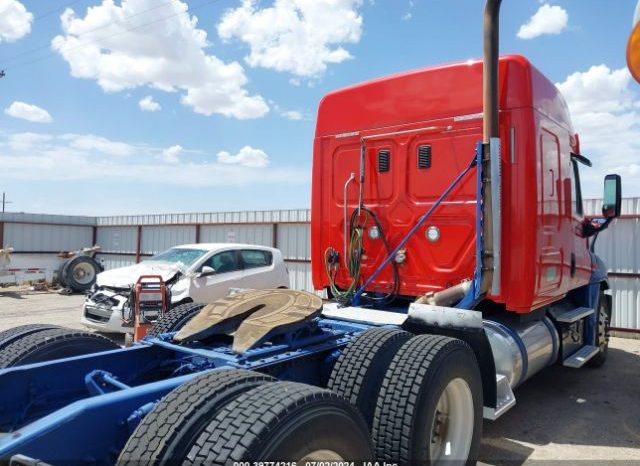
(4, 201)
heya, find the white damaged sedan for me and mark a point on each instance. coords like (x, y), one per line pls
(200, 273)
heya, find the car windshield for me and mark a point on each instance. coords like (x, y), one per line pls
(185, 257)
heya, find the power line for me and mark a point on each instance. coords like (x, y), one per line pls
(47, 13)
(191, 9)
(50, 12)
(47, 46)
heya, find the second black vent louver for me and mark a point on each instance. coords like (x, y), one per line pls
(424, 156)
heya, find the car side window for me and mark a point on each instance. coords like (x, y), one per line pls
(252, 258)
(223, 262)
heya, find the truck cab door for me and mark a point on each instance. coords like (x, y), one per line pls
(551, 258)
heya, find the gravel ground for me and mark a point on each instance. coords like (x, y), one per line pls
(19, 306)
(561, 414)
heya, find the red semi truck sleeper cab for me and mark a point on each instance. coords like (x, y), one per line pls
(419, 130)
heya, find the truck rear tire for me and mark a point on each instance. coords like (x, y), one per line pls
(166, 434)
(284, 421)
(602, 331)
(430, 404)
(48, 345)
(358, 373)
(175, 319)
(16, 333)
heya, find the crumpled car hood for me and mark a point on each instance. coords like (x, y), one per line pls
(124, 277)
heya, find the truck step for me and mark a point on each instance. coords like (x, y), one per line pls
(573, 316)
(505, 399)
(580, 357)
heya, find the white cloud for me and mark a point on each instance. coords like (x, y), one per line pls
(15, 20)
(247, 157)
(547, 20)
(28, 112)
(162, 49)
(93, 143)
(147, 104)
(172, 153)
(27, 141)
(297, 36)
(292, 115)
(604, 109)
(60, 158)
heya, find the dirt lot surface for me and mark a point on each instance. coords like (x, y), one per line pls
(573, 414)
(19, 306)
(561, 414)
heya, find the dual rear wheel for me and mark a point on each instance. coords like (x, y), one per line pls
(239, 415)
(391, 397)
(426, 393)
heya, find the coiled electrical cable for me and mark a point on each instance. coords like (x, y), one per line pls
(357, 226)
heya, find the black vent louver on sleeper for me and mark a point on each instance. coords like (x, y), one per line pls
(424, 156)
(384, 161)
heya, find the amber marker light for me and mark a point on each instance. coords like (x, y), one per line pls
(633, 46)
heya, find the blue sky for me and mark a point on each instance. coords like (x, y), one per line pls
(131, 106)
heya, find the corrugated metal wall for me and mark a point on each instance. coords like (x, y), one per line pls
(619, 247)
(114, 261)
(121, 240)
(157, 239)
(46, 238)
(240, 217)
(294, 240)
(126, 239)
(250, 234)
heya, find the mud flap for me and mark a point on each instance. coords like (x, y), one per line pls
(253, 316)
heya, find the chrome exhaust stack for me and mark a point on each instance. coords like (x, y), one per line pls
(491, 193)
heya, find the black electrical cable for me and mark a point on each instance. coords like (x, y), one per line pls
(393, 294)
(357, 226)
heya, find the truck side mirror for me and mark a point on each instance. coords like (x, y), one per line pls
(206, 271)
(612, 198)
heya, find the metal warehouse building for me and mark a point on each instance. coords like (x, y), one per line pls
(125, 240)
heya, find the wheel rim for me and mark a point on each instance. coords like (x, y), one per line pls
(84, 273)
(321, 455)
(453, 421)
(603, 321)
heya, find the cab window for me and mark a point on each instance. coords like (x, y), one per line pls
(252, 258)
(576, 192)
(223, 262)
